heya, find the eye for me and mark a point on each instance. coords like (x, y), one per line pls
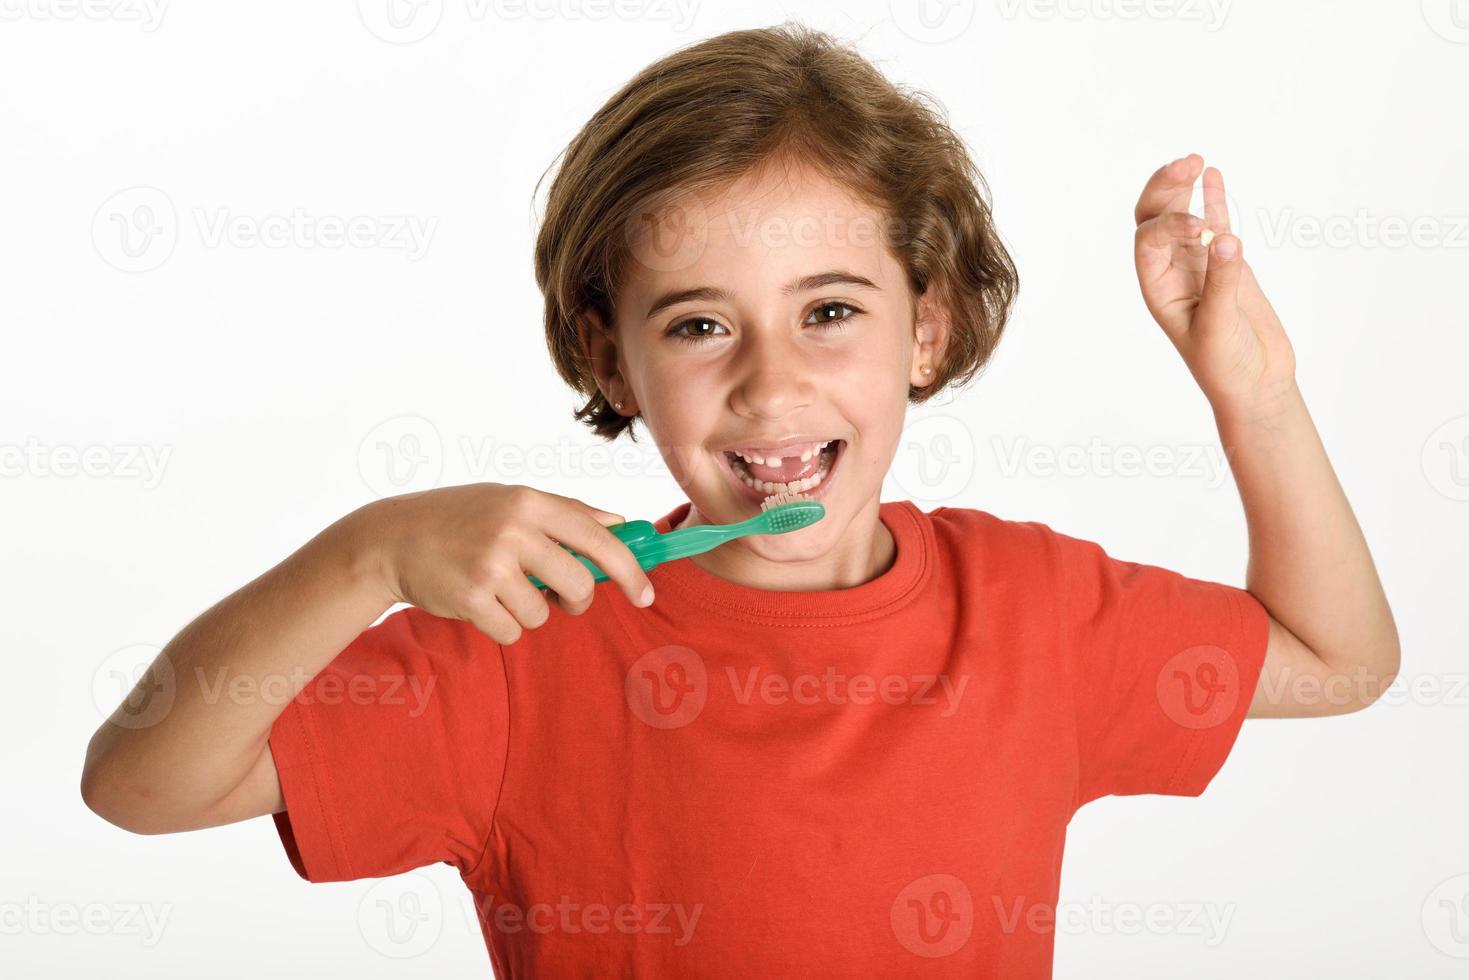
(839, 322)
(833, 323)
(691, 338)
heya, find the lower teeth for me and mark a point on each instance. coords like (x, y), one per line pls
(795, 486)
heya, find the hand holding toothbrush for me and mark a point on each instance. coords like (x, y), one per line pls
(466, 552)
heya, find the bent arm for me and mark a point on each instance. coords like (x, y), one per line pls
(1333, 644)
(230, 673)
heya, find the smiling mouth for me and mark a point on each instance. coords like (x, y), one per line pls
(809, 477)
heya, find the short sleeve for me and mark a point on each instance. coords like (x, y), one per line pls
(1163, 669)
(391, 758)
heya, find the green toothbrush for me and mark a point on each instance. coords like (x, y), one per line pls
(780, 513)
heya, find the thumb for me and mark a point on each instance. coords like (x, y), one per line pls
(607, 517)
(1221, 280)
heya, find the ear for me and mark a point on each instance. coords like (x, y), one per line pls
(601, 349)
(932, 324)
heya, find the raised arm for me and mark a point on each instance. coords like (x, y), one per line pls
(1333, 645)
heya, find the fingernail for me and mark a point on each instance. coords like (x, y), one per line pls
(646, 599)
(1227, 248)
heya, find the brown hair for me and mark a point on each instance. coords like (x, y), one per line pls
(708, 114)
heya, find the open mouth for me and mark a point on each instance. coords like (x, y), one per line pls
(758, 480)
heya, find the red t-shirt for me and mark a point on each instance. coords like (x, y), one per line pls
(734, 782)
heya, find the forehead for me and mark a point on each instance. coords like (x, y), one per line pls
(780, 221)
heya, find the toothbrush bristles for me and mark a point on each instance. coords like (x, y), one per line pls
(780, 499)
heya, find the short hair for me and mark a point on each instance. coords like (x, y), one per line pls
(706, 115)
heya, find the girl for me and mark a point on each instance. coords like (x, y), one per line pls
(848, 750)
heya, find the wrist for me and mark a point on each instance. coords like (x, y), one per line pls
(364, 539)
(1267, 407)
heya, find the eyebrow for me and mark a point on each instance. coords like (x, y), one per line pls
(805, 283)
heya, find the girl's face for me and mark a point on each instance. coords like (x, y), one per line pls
(772, 315)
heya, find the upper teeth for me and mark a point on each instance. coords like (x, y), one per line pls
(790, 453)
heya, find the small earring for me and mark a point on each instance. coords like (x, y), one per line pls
(617, 404)
(926, 369)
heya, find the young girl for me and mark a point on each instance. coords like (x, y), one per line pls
(848, 750)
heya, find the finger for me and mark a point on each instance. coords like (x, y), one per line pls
(523, 601)
(1219, 302)
(1168, 229)
(1216, 207)
(583, 533)
(492, 619)
(1169, 188)
(568, 583)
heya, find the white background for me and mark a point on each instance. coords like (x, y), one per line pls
(266, 380)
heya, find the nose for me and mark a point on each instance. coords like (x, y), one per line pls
(773, 382)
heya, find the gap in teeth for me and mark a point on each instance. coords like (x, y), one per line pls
(796, 486)
(773, 461)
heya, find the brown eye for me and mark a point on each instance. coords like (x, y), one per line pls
(695, 337)
(821, 309)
